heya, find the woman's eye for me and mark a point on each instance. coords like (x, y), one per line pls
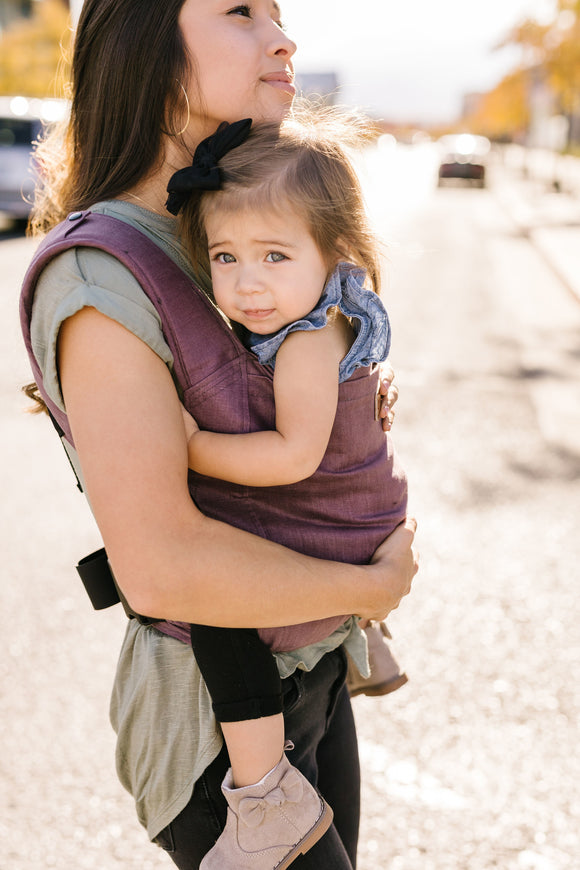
(243, 10)
(224, 258)
(275, 257)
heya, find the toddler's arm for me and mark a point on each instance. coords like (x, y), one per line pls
(306, 395)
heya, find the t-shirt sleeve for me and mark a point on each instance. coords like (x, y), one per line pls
(88, 277)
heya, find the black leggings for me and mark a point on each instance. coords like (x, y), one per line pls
(240, 672)
(318, 719)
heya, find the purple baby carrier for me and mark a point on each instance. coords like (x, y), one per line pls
(342, 512)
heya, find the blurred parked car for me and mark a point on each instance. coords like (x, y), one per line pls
(463, 156)
(21, 122)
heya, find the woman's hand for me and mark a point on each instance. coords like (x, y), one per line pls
(397, 563)
(386, 397)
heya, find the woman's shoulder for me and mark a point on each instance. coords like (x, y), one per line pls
(88, 276)
(89, 266)
(95, 272)
(101, 270)
(82, 277)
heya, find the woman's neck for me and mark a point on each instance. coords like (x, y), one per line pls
(147, 196)
(151, 192)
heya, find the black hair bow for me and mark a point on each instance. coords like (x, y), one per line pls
(204, 173)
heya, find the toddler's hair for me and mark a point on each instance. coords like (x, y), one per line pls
(302, 167)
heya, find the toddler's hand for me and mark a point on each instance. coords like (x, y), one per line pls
(386, 397)
(191, 426)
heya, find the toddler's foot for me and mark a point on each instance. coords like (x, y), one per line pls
(270, 823)
(386, 675)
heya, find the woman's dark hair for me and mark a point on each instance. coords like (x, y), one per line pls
(129, 62)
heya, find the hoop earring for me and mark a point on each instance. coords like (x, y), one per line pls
(182, 131)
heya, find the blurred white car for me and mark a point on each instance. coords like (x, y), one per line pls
(463, 156)
(21, 122)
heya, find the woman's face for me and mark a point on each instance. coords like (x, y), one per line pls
(242, 62)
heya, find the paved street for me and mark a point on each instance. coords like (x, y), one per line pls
(474, 764)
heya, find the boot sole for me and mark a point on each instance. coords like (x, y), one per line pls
(312, 837)
(380, 689)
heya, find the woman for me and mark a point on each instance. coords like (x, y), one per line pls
(150, 81)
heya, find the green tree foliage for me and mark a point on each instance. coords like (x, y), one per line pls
(34, 52)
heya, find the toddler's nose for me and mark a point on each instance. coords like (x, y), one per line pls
(248, 282)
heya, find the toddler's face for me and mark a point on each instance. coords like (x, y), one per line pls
(266, 268)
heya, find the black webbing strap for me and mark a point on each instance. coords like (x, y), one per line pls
(61, 435)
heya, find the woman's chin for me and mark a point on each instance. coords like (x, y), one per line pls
(274, 113)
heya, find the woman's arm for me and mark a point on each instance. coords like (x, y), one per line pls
(306, 395)
(171, 561)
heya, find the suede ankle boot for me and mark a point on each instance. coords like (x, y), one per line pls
(269, 824)
(386, 675)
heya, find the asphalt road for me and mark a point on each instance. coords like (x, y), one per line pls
(473, 764)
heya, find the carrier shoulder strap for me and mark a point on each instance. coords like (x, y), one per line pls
(153, 269)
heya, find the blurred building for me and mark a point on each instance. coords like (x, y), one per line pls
(471, 103)
(318, 86)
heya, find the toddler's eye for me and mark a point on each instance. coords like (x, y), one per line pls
(225, 258)
(275, 257)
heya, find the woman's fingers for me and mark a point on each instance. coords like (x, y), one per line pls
(398, 562)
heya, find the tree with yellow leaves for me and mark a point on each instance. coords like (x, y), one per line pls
(503, 113)
(34, 52)
(551, 52)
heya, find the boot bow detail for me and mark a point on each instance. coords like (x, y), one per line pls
(253, 809)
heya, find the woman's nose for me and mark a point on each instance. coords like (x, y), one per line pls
(281, 44)
(289, 47)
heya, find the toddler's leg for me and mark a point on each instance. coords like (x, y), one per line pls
(274, 813)
(244, 684)
(255, 747)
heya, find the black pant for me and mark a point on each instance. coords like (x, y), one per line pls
(318, 719)
(240, 672)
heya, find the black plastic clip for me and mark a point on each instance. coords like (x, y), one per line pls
(95, 572)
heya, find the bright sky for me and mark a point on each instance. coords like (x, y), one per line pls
(409, 59)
